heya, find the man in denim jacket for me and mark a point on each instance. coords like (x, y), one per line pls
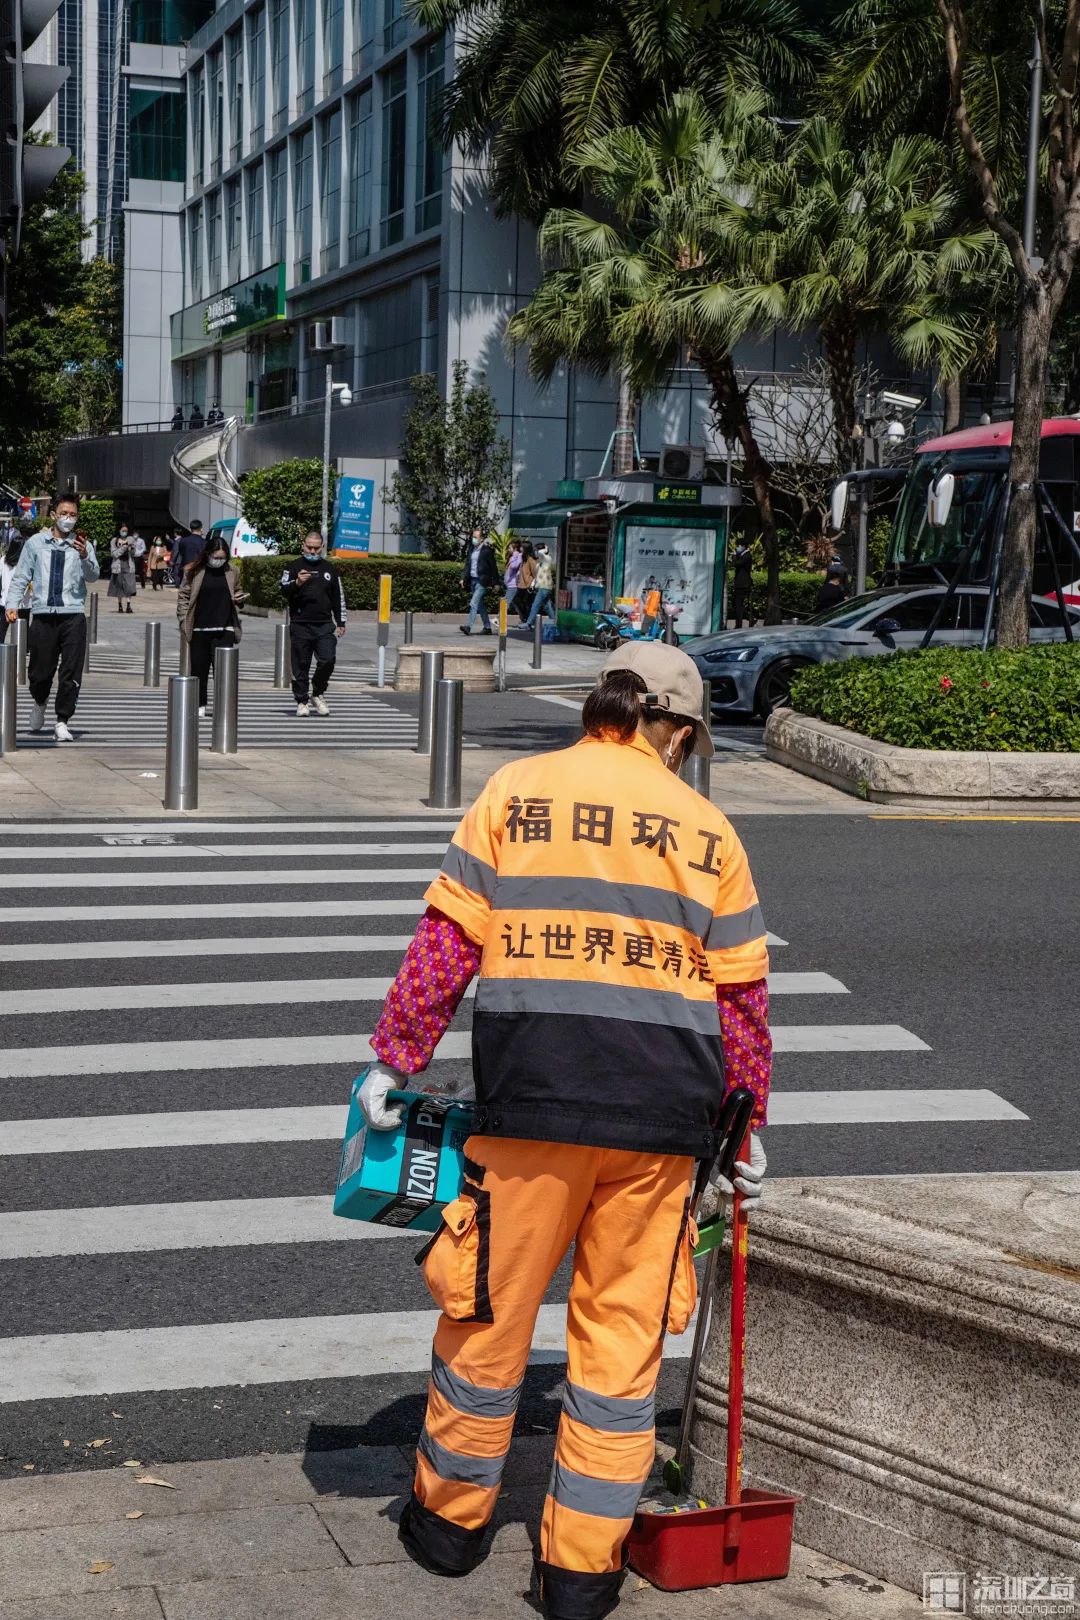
(56, 564)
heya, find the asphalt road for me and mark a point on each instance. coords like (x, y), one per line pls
(952, 938)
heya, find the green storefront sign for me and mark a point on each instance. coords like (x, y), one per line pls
(255, 302)
(677, 494)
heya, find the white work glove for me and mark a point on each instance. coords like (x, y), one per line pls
(748, 1177)
(380, 1081)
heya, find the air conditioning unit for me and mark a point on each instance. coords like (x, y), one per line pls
(329, 334)
(680, 462)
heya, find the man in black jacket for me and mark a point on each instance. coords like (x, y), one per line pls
(481, 574)
(313, 589)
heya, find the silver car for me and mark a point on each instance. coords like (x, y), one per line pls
(751, 670)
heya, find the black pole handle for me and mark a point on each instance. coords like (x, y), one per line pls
(736, 1112)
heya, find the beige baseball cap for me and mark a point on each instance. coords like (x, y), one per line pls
(672, 680)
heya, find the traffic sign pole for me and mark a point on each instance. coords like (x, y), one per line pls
(385, 584)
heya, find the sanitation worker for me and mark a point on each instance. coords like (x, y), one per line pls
(610, 914)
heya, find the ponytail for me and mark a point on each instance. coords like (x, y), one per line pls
(614, 705)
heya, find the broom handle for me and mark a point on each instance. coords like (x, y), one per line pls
(737, 1357)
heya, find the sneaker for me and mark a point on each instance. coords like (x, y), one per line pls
(303, 710)
(488, 632)
(37, 716)
(62, 733)
(320, 705)
(464, 629)
(202, 712)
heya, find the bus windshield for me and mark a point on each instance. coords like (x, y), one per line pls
(915, 543)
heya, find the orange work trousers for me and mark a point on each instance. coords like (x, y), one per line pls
(522, 1205)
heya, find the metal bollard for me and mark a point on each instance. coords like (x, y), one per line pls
(408, 636)
(182, 744)
(538, 642)
(500, 657)
(444, 783)
(671, 635)
(281, 656)
(19, 629)
(8, 674)
(695, 773)
(431, 673)
(226, 692)
(185, 655)
(93, 618)
(151, 669)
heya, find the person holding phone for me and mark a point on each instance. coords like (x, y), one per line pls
(313, 589)
(57, 564)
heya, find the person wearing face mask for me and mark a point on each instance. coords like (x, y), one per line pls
(56, 564)
(122, 572)
(316, 597)
(208, 608)
(621, 993)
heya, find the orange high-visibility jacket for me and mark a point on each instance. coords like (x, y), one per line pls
(610, 899)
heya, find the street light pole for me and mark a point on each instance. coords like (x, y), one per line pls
(1034, 129)
(326, 445)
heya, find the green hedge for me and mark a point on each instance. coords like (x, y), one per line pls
(798, 594)
(419, 584)
(1025, 701)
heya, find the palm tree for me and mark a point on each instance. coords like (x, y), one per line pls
(535, 81)
(658, 270)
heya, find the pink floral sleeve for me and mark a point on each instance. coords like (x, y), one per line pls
(438, 968)
(744, 1024)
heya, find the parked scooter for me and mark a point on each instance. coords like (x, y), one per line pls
(617, 625)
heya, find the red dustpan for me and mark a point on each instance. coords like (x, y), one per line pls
(749, 1538)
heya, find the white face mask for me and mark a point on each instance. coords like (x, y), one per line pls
(66, 524)
(215, 562)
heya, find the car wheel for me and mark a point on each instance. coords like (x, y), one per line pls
(774, 687)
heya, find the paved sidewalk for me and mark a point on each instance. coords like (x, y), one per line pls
(314, 1537)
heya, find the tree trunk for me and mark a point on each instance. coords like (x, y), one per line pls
(729, 404)
(952, 403)
(838, 336)
(622, 446)
(1018, 558)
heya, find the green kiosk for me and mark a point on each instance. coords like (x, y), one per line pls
(618, 539)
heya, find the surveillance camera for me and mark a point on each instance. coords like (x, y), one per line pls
(895, 431)
(902, 402)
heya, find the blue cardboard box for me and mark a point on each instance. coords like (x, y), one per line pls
(403, 1177)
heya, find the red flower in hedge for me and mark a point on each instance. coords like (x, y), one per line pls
(946, 684)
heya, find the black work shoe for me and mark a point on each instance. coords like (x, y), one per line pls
(464, 629)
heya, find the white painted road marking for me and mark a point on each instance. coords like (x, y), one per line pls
(225, 912)
(246, 829)
(204, 852)
(57, 1365)
(223, 878)
(60, 1000)
(256, 945)
(260, 1052)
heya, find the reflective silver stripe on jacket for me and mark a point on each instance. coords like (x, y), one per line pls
(575, 997)
(603, 1498)
(639, 901)
(615, 1414)
(475, 874)
(738, 928)
(456, 1465)
(475, 1400)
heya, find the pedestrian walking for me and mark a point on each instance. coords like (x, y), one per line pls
(196, 420)
(543, 600)
(834, 589)
(512, 570)
(187, 548)
(526, 590)
(623, 972)
(11, 554)
(208, 609)
(177, 423)
(742, 582)
(138, 550)
(122, 569)
(157, 559)
(57, 565)
(481, 574)
(316, 600)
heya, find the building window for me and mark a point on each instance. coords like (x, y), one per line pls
(429, 146)
(277, 193)
(195, 274)
(156, 132)
(257, 73)
(213, 240)
(279, 61)
(390, 346)
(395, 24)
(360, 175)
(233, 225)
(215, 91)
(393, 155)
(235, 43)
(302, 195)
(363, 33)
(333, 44)
(255, 218)
(197, 121)
(305, 54)
(330, 190)
(167, 22)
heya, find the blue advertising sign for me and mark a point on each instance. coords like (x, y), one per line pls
(353, 504)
